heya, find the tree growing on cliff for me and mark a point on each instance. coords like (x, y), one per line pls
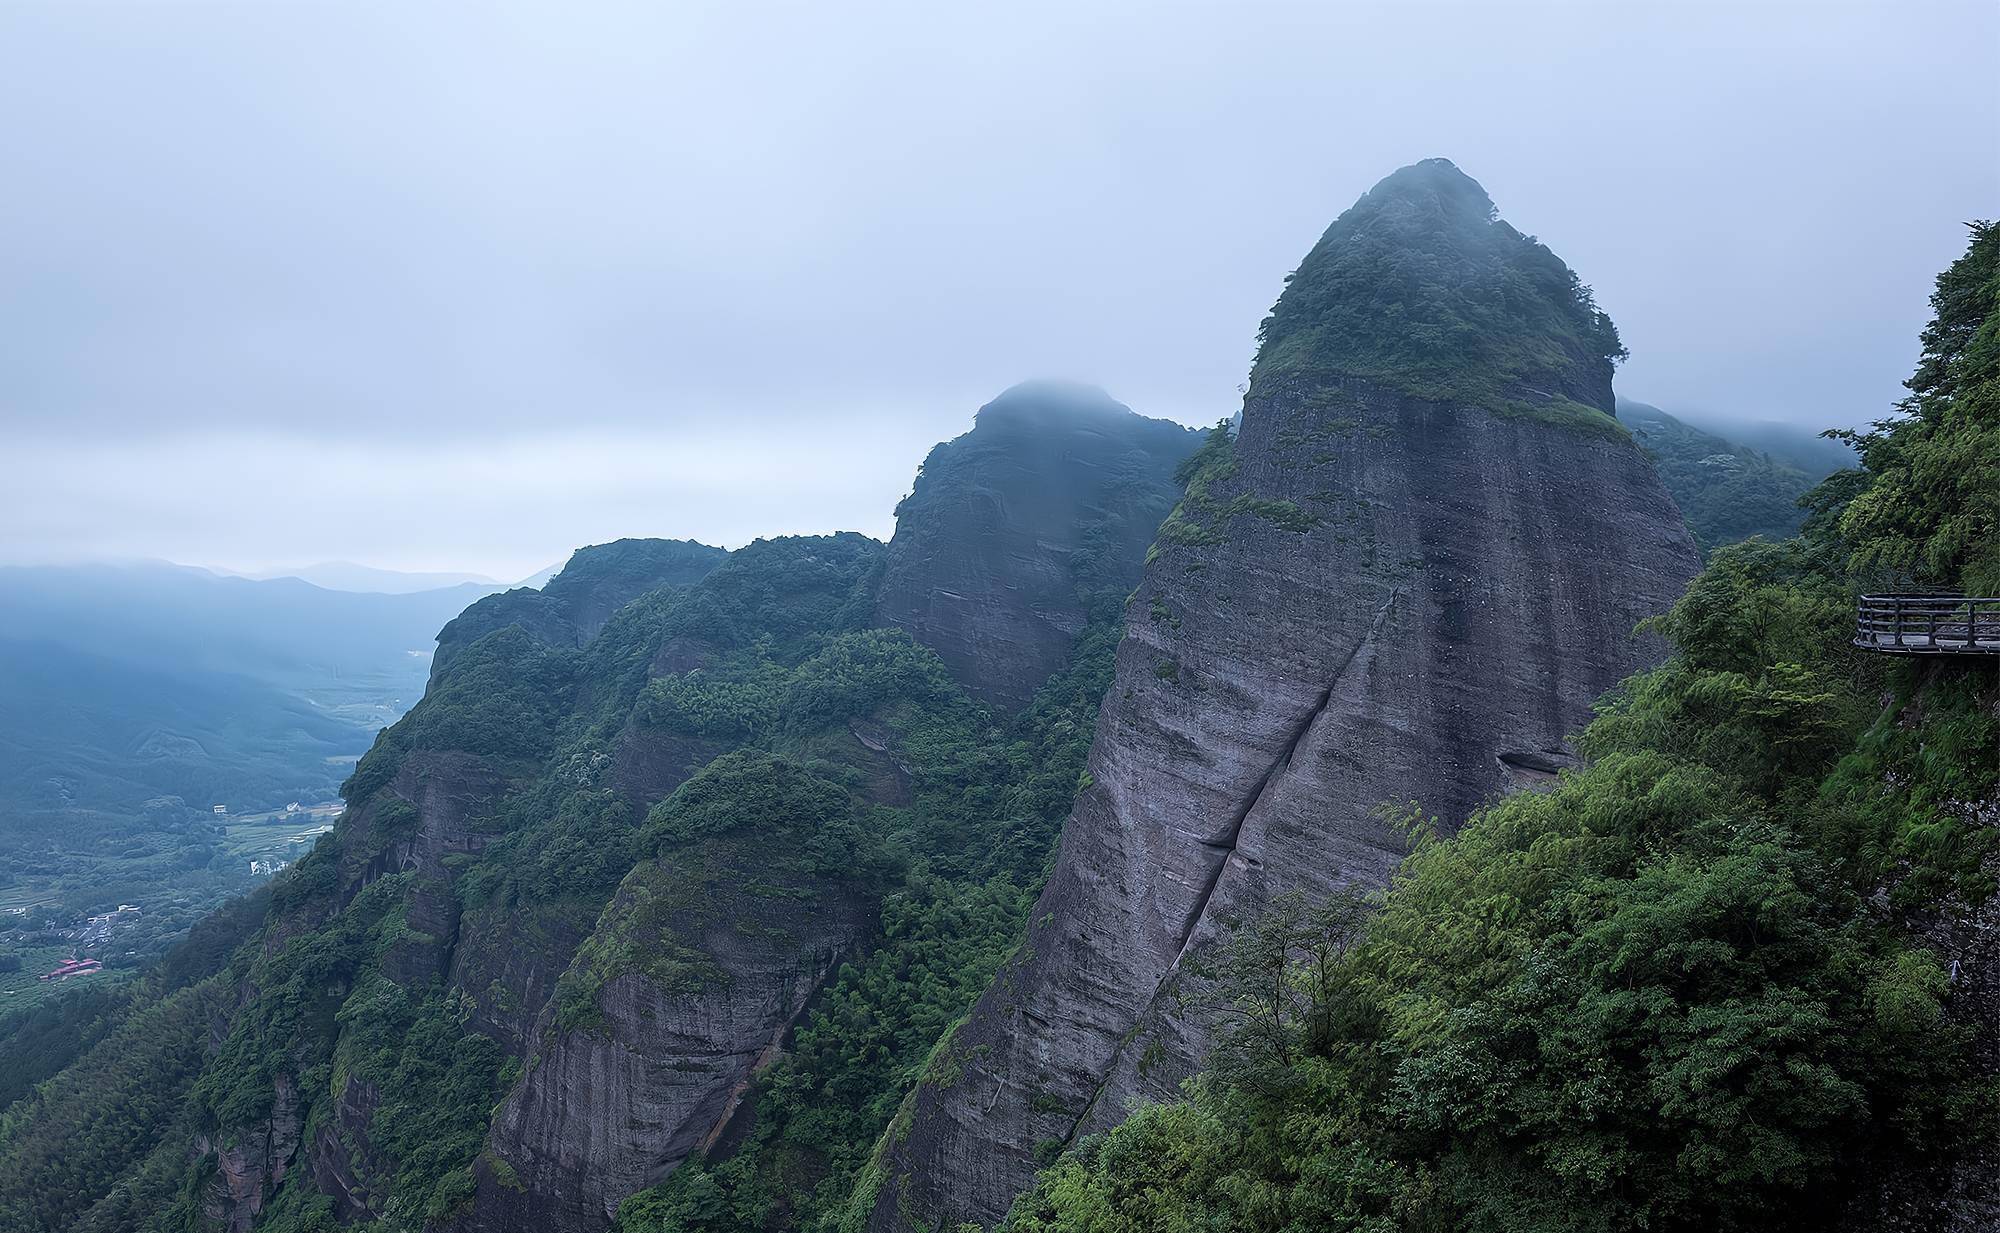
(1931, 511)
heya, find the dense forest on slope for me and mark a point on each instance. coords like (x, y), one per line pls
(685, 879)
(1707, 981)
(945, 929)
(1726, 491)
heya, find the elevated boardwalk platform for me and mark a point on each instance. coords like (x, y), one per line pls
(1928, 624)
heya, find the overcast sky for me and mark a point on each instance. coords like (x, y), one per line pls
(461, 287)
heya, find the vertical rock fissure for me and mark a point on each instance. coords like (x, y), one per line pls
(763, 1056)
(1280, 764)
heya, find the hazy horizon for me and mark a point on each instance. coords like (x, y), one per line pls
(445, 288)
(510, 577)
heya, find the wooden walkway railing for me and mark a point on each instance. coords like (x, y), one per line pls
(1928, 624)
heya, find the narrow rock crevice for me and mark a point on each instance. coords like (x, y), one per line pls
(1274, 774)
(1227, 846)
(733, 1123)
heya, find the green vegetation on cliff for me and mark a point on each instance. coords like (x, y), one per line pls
(98, 1138)
(1419, 287)
(1679, 990)
(1930, 513)
(1201, 518)
(974, 841)
(1727, 492)
(1684, 988)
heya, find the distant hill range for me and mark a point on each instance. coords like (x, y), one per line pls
(140, 680)
(85, 731)
(1734, 479)
(347, 576)
(361, 653)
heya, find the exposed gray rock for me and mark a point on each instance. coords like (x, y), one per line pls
(698, 968)
(1381, 599)
(507, 960)
(1471, 590)
(250, 1165)
(451, 795)
(509, 955)
(339, 1148)
(1053, 495)
(649, 762)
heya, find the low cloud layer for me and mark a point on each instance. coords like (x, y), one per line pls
(444, 286)
(504, 507)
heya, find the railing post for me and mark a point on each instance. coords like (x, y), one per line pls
(1897, 619)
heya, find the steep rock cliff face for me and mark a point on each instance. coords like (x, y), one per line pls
(570, 609)
(250, 1166)
(433, 808)
(517, 984)
(1054, 494)
(688, 982)
(698, 967)
(1406, 586)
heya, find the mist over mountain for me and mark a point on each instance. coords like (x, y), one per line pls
(1729, 491)
(137, 698)
(1800, 445)
(1435, 795)
(86, 731)
(362, 655)
(885, 231)
(1353, 603)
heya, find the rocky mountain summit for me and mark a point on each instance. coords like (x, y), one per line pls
(1405, 581)
(830, 884)
(1013, 530)
(707, 954)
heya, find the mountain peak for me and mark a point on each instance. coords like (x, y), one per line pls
(1419, 286)
(1433, 180)
(1022, 532)
(1049, 401)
